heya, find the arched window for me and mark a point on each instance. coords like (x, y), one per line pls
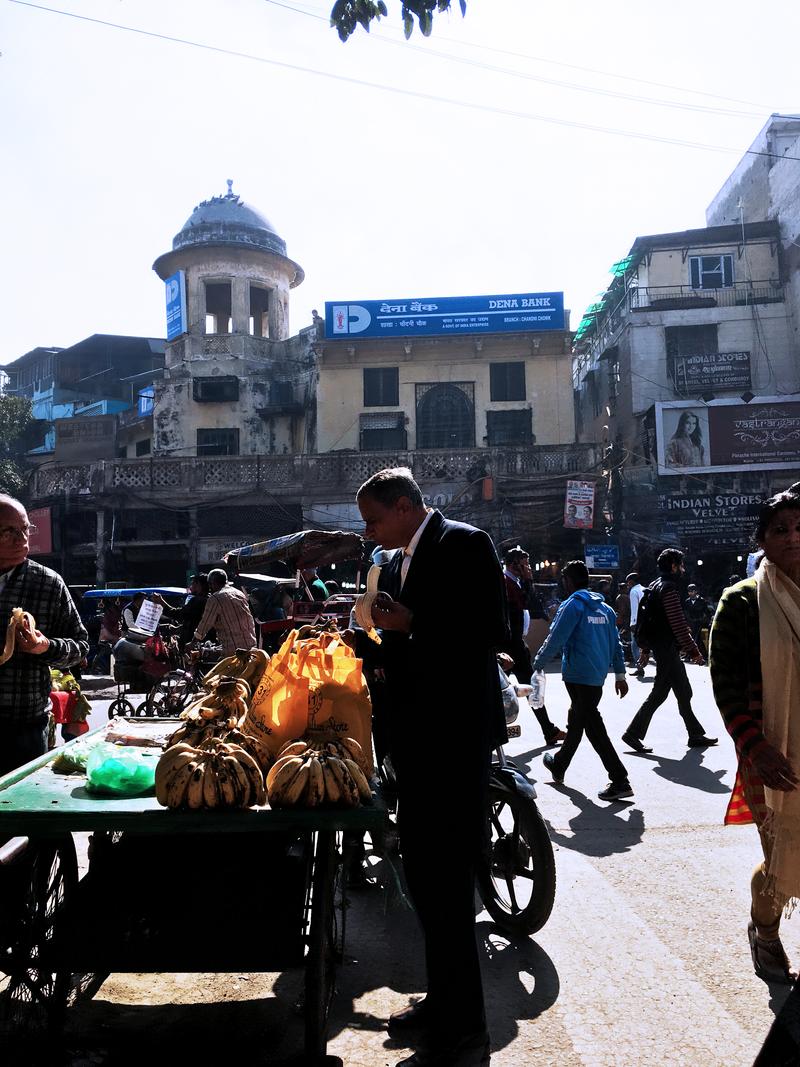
(446, 415)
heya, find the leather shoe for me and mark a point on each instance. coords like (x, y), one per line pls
(548, 759)
(701, 742)
(411, 1023)
(635, 743)
(559, 735)
(471, 1050)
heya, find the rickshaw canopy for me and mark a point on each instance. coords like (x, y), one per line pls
(164, 590)
(306, 548)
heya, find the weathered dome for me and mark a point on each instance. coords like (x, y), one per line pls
(227, 220)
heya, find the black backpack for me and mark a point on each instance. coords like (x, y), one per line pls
(651, 619)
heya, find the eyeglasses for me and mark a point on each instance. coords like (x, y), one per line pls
(18, 532)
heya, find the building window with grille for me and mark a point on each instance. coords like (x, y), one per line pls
(143, 447)
(711, 272)
(446, 415)
(509, 428)
(215, 390)
(507, 381)
(384, 432)
(218, 442)
(381, 387)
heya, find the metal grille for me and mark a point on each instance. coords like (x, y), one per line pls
(217, 346)
(445, 414)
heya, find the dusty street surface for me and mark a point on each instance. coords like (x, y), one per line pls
(644, 961)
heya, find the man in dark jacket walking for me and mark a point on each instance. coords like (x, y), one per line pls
(585, 629)
(434, 639)
(662, 629)
(517, 574)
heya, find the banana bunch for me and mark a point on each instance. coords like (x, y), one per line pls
(248, 664)
(225, 698)
(198, 733)
(307, 774)
(215, 775)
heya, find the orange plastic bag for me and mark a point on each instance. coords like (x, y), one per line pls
(312, 686)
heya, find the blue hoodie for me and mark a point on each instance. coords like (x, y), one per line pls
(585, 628)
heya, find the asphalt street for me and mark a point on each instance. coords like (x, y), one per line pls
(644, 961)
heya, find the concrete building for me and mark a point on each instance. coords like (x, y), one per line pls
(249, 432)
(696, 320)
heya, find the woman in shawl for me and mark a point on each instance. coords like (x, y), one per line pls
(686, 448)
(755, 671)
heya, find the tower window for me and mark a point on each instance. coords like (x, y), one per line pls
(259, 311)
(218, 307)
(215, 390)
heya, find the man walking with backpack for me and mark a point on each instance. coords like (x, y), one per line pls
(661, 628)
(585, 628)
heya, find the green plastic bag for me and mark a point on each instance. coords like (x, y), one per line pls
(122, 771)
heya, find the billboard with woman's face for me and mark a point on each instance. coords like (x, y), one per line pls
(726, 435)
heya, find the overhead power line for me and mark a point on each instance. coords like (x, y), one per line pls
(572, 86)
(411, 93)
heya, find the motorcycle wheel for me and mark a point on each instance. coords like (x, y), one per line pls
(518, 884)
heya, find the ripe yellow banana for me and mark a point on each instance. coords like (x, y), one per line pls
(225, 788)
(315, 793)
(252, 770)
(241, 781)
(194, 790)
(211, 785)
(290, 794)
(333, 791)
(354, 751)
(360, 779)
(282, 773)
(293, 748)
(348, 790)
(168, 766)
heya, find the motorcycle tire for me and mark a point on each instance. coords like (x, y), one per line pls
(517, 884)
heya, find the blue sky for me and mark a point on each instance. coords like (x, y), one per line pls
(111, 137)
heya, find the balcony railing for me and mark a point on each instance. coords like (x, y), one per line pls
(680, 297)
(319, 474)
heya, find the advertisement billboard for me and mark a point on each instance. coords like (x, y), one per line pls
(713, 519)
(727, 435)
(579, 505)
(602, 557)
(444, 316)
(714, 370)
(175, 292)
(41, 539)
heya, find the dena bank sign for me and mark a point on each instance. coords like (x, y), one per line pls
(444, 316)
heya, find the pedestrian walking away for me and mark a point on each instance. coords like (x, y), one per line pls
(585, 632)
(59, 639)
(635, 592)
(227, 612)
(755, 652)
(453, 567)
(698, 614)
(517, 573)
(661, 628)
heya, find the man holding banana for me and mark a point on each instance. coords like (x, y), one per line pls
(426, 612)
(25, 676)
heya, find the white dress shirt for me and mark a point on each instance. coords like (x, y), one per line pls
(411, 548)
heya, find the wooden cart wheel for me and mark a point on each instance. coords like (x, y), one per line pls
(320, 979)
(33, 996)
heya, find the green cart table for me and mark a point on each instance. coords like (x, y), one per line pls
(156, 877)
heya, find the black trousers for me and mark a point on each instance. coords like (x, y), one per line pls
(670, 677)
(440, 843)
(22, 742)
(584, 718)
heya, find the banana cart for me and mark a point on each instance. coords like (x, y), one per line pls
(278, 874)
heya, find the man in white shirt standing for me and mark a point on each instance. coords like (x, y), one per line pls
(635, 592)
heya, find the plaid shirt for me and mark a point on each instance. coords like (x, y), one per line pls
(228, 612)
(25, 679)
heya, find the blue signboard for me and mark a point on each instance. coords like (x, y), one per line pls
(175, 287)
(445, 316)
(602, 557)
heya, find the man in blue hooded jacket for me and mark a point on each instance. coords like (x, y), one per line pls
(585, 631)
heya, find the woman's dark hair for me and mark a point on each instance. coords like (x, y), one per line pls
(696, 436)
(787, 500)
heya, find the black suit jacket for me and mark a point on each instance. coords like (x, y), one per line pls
(443, 687)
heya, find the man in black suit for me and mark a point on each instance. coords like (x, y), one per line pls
(441, 608)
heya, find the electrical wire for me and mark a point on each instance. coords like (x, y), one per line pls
(411, 93)
(543, 59)
(572, 86)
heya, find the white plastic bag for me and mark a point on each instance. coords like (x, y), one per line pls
(536, 696)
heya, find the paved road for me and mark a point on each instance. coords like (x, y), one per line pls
(643, 963)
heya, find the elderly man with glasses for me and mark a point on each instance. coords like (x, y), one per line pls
(59, 640)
